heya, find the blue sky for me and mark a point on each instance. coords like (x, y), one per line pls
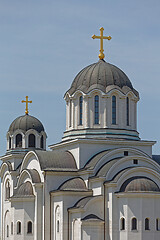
(44, 44)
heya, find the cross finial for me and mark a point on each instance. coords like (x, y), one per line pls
(101, 37)
(26, 112)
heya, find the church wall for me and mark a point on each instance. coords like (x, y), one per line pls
(64, 201)
(92, 231)
(140, 207)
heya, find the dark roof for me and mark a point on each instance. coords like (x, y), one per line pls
(99, 75)
(91, 217)
(74, 184)
(56, 160)
(25, 123)
(156, 158)
(24, 190)
(139, 184)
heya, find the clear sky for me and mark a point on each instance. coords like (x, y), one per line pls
(44, 44)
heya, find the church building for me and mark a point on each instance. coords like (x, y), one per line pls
(101, 182)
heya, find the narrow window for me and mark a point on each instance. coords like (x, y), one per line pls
(70, 113)
(11, 228)
(18, 227)
(125, 153)
(127, 110)
(113, 109)
(9, 142)
(122, 226)
(146, 224)
(157, 224)
(134, 224)
(7, 196)
(32, 140)
(42, 139)
(96, 109)
(80, 110)
(7, 230)
(29, 227)
(58, 226)
(18, 140)
(135, 161)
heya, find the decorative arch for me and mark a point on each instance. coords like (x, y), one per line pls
(138, 171)
(31, 160)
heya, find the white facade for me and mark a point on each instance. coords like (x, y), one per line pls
(101, 182)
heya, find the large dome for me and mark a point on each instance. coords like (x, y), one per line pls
(98, 76)
(25, 123)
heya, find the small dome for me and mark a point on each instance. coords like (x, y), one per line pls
(139, 184)
(25, 123)
(98, 76)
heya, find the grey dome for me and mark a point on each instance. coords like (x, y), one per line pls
(139, 184)
(25, 123)
(98, 76)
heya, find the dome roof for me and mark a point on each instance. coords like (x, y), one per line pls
(25, 123)
(74, 184)
(99, 76)
(139, 184)
(24, 190)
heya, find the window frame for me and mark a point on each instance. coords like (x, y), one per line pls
(146, 224)
(96, 109)
(122, 224)
(19, 228)
(114, 110)
(30, 141)
(134, 224)
(29, 232)
(81, 110)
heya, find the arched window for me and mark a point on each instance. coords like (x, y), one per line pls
(18, 227)
(113, 109)
(42, 142)
(57, 223)
(31, 140)
(9, 142)
(7, 230)
(127, 110)
(122, 224)
(96, 109)
(58, 226)
(29, 227)
(146, 224)
(158, 224)
(7, 190)
(18, 140)
(11, 228)
(80, 110)
(134, 224)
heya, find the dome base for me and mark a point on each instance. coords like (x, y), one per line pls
(101, 133)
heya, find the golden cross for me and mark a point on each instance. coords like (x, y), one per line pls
(26, 112)
(101, 37)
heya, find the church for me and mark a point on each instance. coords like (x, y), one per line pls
(101, 182)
